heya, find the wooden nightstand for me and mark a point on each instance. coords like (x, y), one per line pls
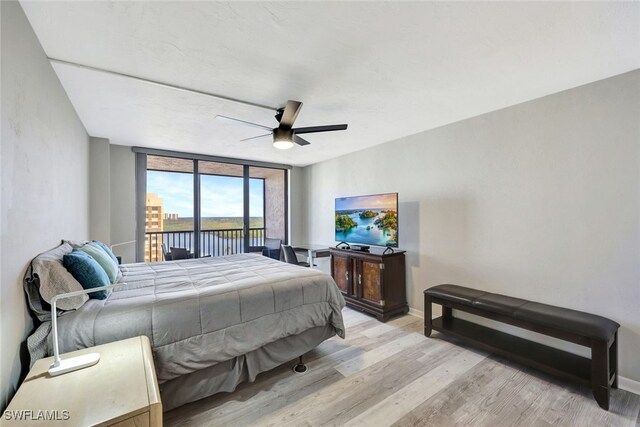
(121, 390)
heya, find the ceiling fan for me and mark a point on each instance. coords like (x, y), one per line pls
(285, 135)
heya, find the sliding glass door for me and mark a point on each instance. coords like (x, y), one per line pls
(211, 208)
(169, 219)
(222, 218)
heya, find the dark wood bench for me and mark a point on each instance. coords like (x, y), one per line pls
(596, 332)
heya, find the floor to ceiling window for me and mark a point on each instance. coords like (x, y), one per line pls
(169, 206)
(204, 208)
(223, 224)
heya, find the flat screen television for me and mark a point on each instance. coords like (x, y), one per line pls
(368, 220)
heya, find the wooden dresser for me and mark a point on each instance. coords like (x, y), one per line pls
(120, 390)
(370, 281)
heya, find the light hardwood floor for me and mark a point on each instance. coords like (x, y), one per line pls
(391, 374)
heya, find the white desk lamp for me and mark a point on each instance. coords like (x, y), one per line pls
(59, 366)
(120, 244)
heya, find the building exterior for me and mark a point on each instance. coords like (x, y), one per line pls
(153, 224)
(173, 216)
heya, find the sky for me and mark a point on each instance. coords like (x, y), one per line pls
(376, 201)
(221, 196)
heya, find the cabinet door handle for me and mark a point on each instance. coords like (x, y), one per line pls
(346, 275)
(359, 279)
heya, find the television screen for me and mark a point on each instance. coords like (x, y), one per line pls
(370, 220)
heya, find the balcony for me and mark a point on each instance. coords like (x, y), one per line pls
(212, 242)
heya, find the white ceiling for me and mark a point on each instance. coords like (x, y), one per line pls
(388, 69)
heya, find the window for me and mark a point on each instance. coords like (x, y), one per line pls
(211, 208)
(170, 190)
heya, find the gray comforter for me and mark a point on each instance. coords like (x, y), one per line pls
(201, 312)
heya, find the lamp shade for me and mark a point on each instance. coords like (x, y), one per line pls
(283, 144)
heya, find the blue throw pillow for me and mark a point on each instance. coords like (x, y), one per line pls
(107, 250)
(87, 271)
(107, 264)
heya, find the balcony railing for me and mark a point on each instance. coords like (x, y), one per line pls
(212, 242)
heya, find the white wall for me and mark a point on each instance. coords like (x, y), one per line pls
(113, 196)
(45, 158)
(123, 201)
(297, 206)
(100, 189)
(539, 201)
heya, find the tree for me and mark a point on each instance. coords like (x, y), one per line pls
(344, 222)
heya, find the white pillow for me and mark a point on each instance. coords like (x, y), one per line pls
(76, 244)
(54, 279)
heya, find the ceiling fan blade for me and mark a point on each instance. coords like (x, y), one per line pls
(256, 137)
(300, 141)
(255, 125)
(290, 113)
(314, 129)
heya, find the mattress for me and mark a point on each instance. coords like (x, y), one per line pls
(201, 312)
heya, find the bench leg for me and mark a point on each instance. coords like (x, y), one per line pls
(600, 372)
(427, 315)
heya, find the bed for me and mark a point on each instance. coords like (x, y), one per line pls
(213, 322)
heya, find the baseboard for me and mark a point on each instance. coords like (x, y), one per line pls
(437, 311)
(416, 313)
(629, 385)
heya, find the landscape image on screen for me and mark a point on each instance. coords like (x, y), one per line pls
(371, 220)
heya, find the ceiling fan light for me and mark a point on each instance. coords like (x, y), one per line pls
(283, 144)
(282, 138)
